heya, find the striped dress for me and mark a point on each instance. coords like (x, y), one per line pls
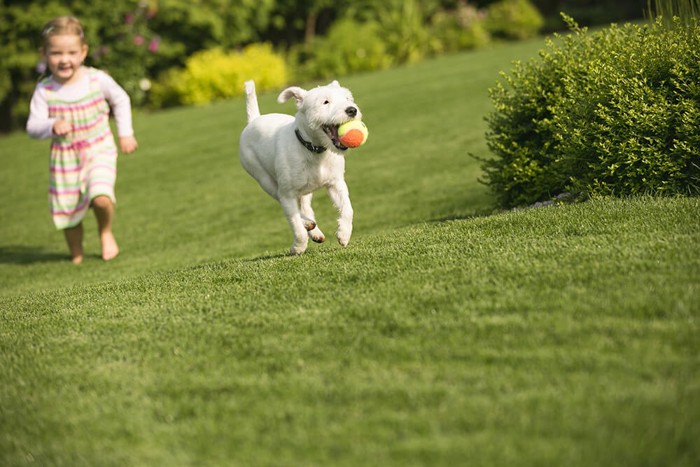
(82, 164)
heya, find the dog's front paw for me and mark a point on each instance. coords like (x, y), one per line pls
(316, 235)
(343, 234)
(309, 225)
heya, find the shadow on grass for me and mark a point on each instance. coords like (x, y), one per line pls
(313, 250)
(461, 217)
(21, 254)
(269, 257)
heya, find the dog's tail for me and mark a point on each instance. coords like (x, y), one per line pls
(251, 101)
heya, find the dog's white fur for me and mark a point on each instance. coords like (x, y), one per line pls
(287, 170)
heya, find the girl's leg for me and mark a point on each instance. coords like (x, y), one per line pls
(104, 213)
(74, 238)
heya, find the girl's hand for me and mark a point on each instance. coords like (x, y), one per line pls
(128, 144)
(62, 127)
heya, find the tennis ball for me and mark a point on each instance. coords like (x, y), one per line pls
(353, 133)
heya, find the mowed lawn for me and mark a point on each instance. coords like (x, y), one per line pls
(446, 333)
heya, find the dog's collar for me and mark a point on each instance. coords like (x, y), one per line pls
(308, 145)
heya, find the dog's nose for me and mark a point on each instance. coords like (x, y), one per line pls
(351, 111)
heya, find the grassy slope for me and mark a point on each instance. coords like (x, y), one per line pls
(563, 336)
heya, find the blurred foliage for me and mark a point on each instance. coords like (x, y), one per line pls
(141, 42)
(514, 19)
(460, 29)
(404, 31)
(214, 74)
(685, 10)
(349, 47)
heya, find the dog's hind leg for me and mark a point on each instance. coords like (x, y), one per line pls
(257, 171)
(309, 218)
(268, 184)
(290, 206)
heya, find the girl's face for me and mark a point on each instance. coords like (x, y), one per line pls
(64, 55)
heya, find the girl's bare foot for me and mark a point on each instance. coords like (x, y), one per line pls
(110, 249)
(74, 238)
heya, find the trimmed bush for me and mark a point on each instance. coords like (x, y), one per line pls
(616, 112)
(214, 74)
(349, 47)
(514, 19)
(460, 29)
(404, 31)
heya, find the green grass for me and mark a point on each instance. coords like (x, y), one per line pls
(440, 336)
(685, 10)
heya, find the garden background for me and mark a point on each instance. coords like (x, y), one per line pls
(156, 48)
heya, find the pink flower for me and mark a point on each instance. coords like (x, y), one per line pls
(153, 45)
(129, 18)
(138, 40)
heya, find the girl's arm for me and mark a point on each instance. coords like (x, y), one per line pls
(120, 103)
(39, 125)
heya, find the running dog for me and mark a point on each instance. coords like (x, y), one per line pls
(293, 156)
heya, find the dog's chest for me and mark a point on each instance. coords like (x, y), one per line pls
(318, 173)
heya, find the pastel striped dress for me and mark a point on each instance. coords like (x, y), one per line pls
(82, 164)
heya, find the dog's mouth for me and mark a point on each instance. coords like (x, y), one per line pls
(332, 133)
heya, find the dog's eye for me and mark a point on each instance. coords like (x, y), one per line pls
(326, 102)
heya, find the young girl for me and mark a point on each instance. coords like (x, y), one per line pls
(71, 107)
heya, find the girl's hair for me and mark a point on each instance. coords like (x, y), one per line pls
(61, 26)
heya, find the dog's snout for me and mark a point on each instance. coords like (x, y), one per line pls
(351, 111)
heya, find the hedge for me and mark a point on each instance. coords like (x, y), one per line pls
(615, 112)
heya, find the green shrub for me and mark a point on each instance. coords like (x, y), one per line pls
(461, 29)
(135, 40)
(214, 74)
(349, 47)
(404, 31)
(514, 19)
(611, 113)
(126, 47)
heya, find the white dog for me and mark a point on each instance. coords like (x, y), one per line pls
(291, 157)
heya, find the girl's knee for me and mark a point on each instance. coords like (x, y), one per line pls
(102, 202)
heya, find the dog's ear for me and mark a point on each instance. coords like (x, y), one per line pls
(296, 92)
(335, 83)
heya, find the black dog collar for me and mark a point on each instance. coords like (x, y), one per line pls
(310, 146)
